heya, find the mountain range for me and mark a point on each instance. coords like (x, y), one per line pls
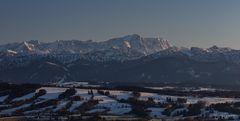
(131, 58)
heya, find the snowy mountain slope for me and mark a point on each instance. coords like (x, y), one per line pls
(129, 47)
(127, 43)
(130, 58)
(125, 48)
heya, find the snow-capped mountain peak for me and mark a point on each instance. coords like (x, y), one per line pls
(25, 47)
(131, 37)
(122, 48)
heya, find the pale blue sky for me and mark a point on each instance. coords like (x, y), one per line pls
(187, 23)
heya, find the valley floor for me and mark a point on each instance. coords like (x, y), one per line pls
(54, 103)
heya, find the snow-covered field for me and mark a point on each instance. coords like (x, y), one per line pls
(2, 98)
(52, 92)
(156, 112)
(25, 97)
(190, 99)
(212, 100)
(107, 104)
(112, 106)
(120, 94)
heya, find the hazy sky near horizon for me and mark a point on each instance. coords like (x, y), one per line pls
(186, 23)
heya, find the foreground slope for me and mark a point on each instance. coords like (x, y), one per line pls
(63, 103)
